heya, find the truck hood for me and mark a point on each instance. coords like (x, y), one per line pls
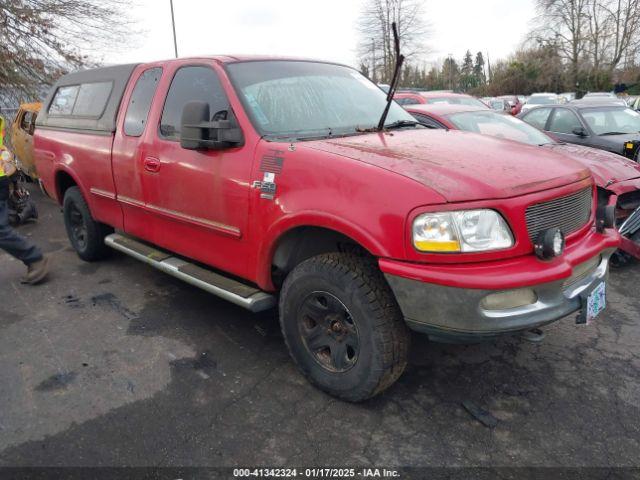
(460, 166)
(607, 168)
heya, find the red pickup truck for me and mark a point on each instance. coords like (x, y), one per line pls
(265, 181)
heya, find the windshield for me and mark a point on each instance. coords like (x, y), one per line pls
(611, 121)
(497, 105)
(542, 100)
(298, 99)
(470, 101)
(499, 125)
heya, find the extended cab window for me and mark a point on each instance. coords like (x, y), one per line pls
(140, 102)
(191, 84)
(86, 100)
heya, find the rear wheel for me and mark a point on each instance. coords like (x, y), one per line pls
(343, 326)
(86, 234)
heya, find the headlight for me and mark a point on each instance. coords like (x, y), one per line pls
(464, 231)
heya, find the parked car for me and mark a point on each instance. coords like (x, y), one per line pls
(267, 182)
(22, 130)
(415, 98)
(515, 105)
(597, 100)
(498, 104)
(617, 178)
(538, 99)
(605, 95)
(605, 126)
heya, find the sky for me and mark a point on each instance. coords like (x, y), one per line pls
(325, 29)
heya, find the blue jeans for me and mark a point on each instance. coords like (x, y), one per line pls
(11, 242)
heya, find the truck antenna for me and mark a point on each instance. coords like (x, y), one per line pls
(396, 77)
(173, 24)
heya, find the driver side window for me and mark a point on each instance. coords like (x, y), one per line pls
(564, 121)
(191, 84)
(538, 117)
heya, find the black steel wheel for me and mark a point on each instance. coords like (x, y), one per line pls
(329, 332)
(343, 326)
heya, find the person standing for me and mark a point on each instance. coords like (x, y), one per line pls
(10, 241)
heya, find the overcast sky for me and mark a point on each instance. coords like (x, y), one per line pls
(324, 29)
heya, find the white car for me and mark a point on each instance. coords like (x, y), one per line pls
(538, 99)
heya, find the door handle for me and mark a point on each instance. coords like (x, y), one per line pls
(152, 165)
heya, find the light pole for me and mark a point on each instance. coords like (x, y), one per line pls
(173, 24)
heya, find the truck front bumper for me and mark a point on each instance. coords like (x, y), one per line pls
(459, 312)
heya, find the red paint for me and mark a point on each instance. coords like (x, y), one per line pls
(369, 187)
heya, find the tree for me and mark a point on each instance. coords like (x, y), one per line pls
(563, 24)
(594, 37)
(375, 47)
(42, 39)
(478, 69)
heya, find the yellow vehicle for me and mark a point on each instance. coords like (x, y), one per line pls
(22, 137)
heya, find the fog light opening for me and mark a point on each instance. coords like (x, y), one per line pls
(509, 299)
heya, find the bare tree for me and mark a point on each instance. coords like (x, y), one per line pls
(621, 25)
(376, 38)
(594, 37)
(564, 24)
(41, 39)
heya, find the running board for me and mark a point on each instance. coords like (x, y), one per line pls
(227, 288)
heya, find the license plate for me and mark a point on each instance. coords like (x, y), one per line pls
(593, 304)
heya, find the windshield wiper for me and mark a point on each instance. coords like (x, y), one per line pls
(402, 124)
(613, 133)
(396, 77)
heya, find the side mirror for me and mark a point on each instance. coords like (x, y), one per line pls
(579, 131)
(199, 132)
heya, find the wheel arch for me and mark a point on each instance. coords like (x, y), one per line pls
(292, 242)
(63, 181)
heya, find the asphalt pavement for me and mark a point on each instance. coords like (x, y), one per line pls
(116, 364)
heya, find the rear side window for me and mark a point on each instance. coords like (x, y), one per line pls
(407, 101)
(86, 100)
(140, 102)
(427, 121)
(538, 117)
(64, 100)
(191, 84)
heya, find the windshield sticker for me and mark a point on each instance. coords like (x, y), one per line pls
(272, 161)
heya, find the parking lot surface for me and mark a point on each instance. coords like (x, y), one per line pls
(117, 364)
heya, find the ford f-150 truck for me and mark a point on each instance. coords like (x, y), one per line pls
(268, 182)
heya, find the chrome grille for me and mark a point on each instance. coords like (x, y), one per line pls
(569, 214)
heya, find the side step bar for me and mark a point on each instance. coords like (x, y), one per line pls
(229, 289)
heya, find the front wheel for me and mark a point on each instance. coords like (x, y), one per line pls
(86, 234)
(343, 327)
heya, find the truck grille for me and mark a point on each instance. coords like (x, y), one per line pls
(569, 214)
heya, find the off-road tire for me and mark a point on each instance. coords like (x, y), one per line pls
(91, 247)
(383, 336)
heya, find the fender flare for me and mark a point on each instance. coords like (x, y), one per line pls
(278, 230)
